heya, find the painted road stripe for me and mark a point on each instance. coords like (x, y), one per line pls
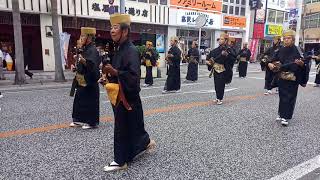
(299, 170)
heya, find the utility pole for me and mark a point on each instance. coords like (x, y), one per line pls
(59, 75)
(19, 67)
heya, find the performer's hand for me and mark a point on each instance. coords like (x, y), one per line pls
(208, 63)
(271, 66)
(170, 55)
(73, 68)
(108, 69)
(299, 62)
(224, 53)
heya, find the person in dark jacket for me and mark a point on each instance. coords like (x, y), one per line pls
(86, 102)
(173, 82)
(150, 60)
(244, 56)
(293, 70)
(217, 61)
(268, 55)
(193, 59)
(123, 88)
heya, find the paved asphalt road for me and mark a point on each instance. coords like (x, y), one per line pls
(196, 139)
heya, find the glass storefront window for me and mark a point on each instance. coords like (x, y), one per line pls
(163, 2)
(243, 12)
(230, 9)
(236, 11)
(153, 1)
(280, 16)
(272, 16)
(225, 8)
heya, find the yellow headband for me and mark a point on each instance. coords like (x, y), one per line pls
(289, 33)
(119, 19)
(88, 31)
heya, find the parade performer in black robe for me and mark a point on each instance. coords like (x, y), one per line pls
(316, 57)
(193, 59)
(217, 61)
(173, 83)
(270, 82)
(293, 70)
(123, 88)
(232, 59)
(86, 102)
(244, 56)
(149, 60)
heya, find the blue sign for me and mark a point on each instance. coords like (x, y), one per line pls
(160, 43)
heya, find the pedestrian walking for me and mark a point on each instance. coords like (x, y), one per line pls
(193, 58)
(232, 60)
(173, 82)
(123, 88)
(86, 102)
(150, 61)
(270, 81)
(293, 70)
(217, 62)
(244, 56)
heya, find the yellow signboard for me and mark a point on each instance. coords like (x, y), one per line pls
(274, 30)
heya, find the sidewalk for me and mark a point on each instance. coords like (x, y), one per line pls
(45, 80)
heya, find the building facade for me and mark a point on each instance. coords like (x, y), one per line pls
(150, 22)
(311, 25)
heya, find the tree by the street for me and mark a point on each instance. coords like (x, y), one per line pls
(59, 75)
(19, 59)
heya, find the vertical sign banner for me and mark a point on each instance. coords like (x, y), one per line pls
(258, 31)
(64, 45)
(253, 48)
(261, 13)
(293, 17)
(160, 43)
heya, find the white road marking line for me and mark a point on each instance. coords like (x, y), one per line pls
(182, 93)
(299, 170)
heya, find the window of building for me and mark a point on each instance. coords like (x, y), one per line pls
(163, 2)
(286, 16)
(230, 9)
(237, 1)
(145, 1)
(153, 1)
(280, 17)
(272, 16)
(225, 1)
(236, 10)
(231, 1)
(307, 1)
(225, 8)
(243, 11)
(243, 2)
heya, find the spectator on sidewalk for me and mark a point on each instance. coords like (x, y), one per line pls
(27, 53)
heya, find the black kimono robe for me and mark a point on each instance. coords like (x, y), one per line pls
(243, 65)
(86, 101)
(219, 78)
(173, 82)
(270, 75)
(193, 55)
(230, 63)
(151, 56)
(130, 136)
(288, 89)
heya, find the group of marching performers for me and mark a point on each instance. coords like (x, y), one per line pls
(285, 65)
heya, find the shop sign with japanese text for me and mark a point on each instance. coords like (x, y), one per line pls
(258, 31)
(187, 18)
(206, 5)
(274, 30)
(233, 21)
(103, 9)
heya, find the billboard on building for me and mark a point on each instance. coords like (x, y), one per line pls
(187, 18)
(234, 21)
(274, 29)
(261, 13)
(203, 5)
